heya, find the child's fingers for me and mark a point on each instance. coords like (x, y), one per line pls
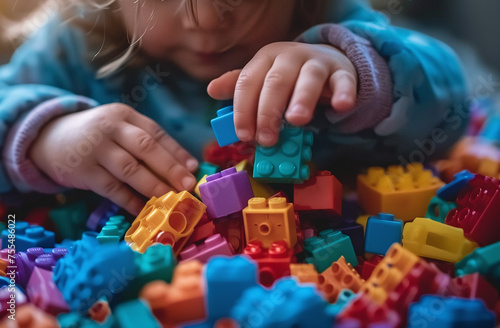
(106, 185)
(143, 146)
(246, 96)
(165, 140)
(344, 86)
(222, 88)
(275, 94)
(127, 169)
(308, 89)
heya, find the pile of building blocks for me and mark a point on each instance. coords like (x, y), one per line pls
(408, 251)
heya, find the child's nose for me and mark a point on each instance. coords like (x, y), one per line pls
(207, 16)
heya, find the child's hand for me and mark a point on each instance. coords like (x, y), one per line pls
(286, 75)
(115, 152)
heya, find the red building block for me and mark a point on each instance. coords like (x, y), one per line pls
(232, 229)
(320, 192)
(202, 231)
(477, 210)
(230, 155)
(369, 265)
(474, 286)
(362, 313)
(212, 246)
(273, 263)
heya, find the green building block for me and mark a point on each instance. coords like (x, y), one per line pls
(70, 220)
(327, 248)
(438, 209)
(206, 168)
(485, 261)
(114, 230)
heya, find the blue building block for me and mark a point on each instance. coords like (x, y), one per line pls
(223, 126)
(434, 311)
(92, 271)
(356, 233)
(27, 236)
(438, 209)
(327, 248)
(287, 304)
(114, 230)
(135, 314)
(346, 296)
(70, 220)
(205, 168)
(226, 280)
(450, 191)
(286, 161)
(491, 129)
(381, 232)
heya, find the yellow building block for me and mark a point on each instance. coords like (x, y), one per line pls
(169, 219)
(436, 240)
(363, 220)
(197, 187)
(259, 189)
(404, 192)
(306, 273)
(270, 220)
(389, 273)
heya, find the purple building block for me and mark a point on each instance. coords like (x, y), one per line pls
(226, 192)
(101, 214)
(213, 245)
(43, 292)
(35, 256)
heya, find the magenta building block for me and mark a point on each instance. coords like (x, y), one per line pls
(213, 245)
(43, 292)
(226, 192)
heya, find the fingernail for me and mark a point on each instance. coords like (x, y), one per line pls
(243, 135)
(191, 164)
(188, 182)
(265, 138)
(299, 110)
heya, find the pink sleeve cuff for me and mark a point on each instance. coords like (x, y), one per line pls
(374, 101)
(23, 173)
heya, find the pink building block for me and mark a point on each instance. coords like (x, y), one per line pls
(214, 245)
(43, 292)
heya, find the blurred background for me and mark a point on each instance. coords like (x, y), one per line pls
(472, 28)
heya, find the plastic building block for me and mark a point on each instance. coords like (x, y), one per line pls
(340, 275)
(287, 304)
(230, 155)
(328, 247)
(345, 298)
(450, 191)
(100, 311)
(369, 265)
(214, 245)
(273, 263)
(259, 189)
(133, 314)
(8, 303)
(438, 209)
(356, 233)
(27, 236)
(180, 302)
(286, 161)
(439, 312)
(100, 215)
(363, 313)
(114, 230)
(321, 192)
(169, 219)
(202, 231)
(435, 240)
(485, 260)
(270, 220)
(389, 273)
(70, 220)
(305, 273)
(110, 269)
(233, 230)
(226, 281)
(205, 168)
(25, 262)
(201, 181)
(381, 232)
(363, 221)
(477, 210)
(43, 292)
(223, 126)
(474, 286)
(405, 193)
(226, 193)
(29, 316)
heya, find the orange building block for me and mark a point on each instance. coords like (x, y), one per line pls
(399, 191)
(270, 220)
(340, 275)
(181, 301)
(322, 192)
(169, 219)
(306, 273)
(389, 273)
(29, 316)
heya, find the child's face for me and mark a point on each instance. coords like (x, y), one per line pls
(227, 35)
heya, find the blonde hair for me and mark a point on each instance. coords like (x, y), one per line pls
(111, 47)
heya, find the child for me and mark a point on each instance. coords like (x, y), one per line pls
(111, 96)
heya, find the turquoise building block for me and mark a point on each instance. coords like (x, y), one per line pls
(485, 261)
(286, 161)
(77, 320)
(70, 220)
(205, 168)
(438, 209)
(382, 231)
(223, 126)
(346, 296)
(327, 248)
(114, 230)
(134, 314)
